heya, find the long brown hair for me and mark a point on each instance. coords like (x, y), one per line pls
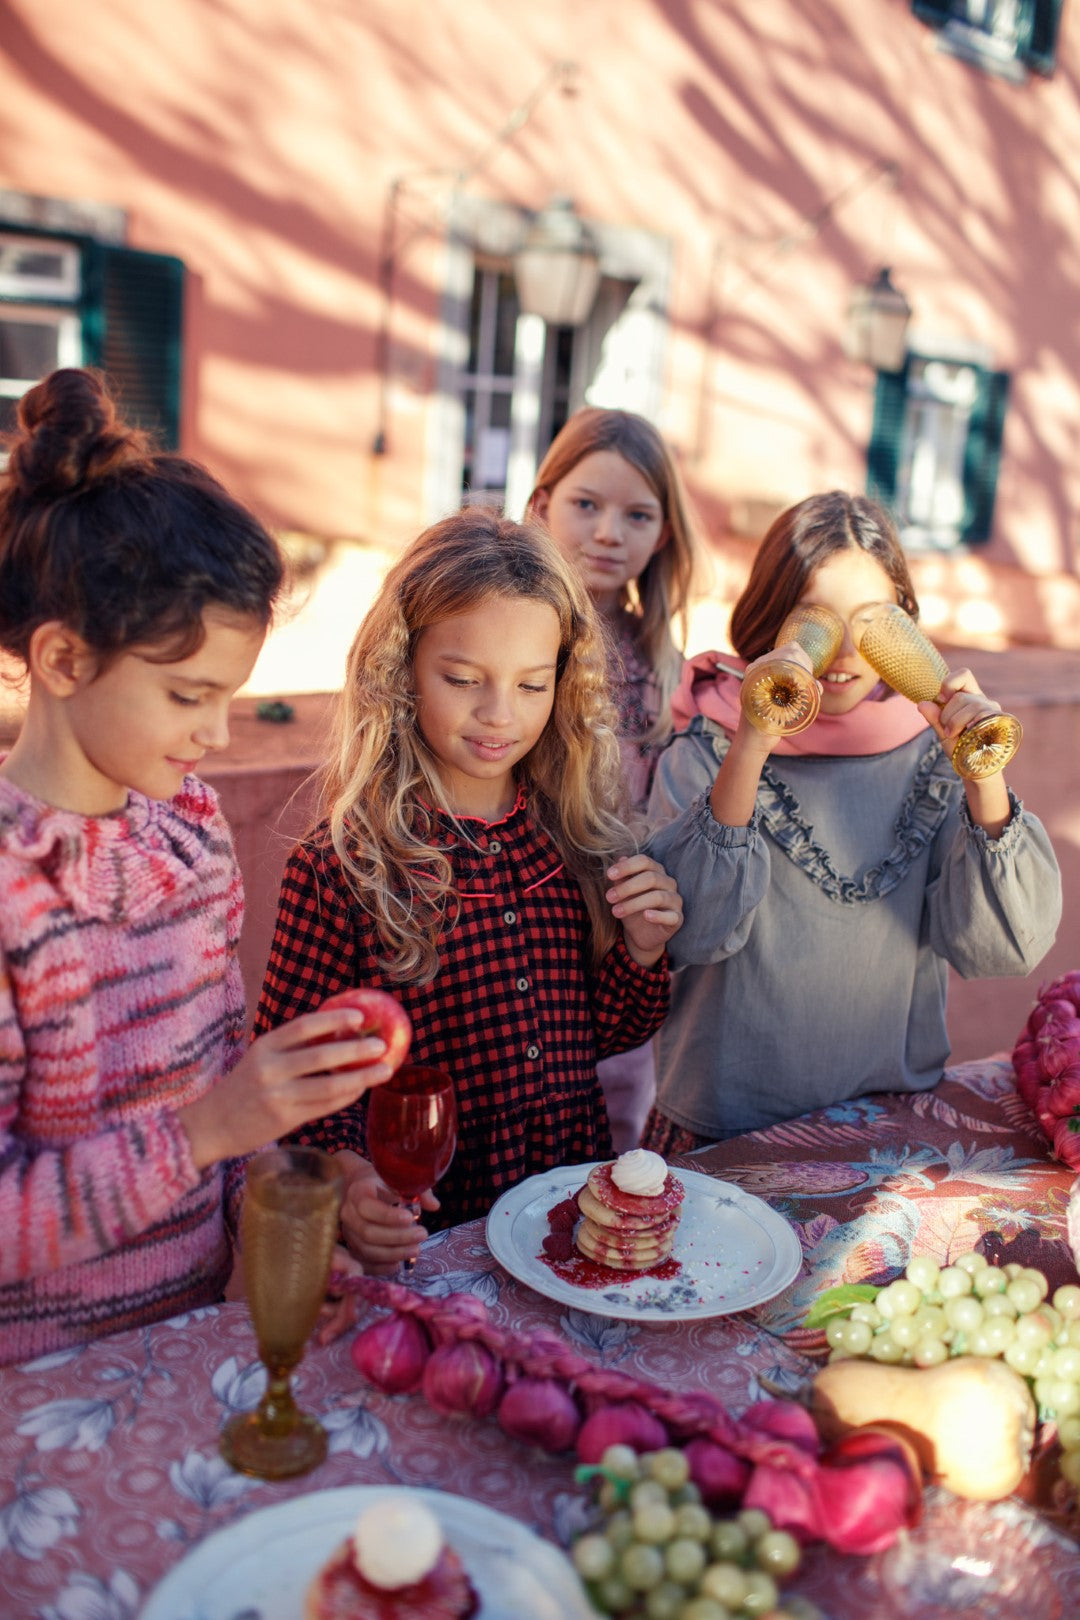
(794, 548)
(661, 593)
(381, 773)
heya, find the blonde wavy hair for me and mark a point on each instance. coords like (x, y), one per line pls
(381, 775)
(660, 596)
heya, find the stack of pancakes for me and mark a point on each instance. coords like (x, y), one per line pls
(627, 1231)
(340, 1592)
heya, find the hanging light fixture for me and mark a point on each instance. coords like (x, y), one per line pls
(875, 332)
(557, 267)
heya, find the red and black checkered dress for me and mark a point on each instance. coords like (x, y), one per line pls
(516, 1013)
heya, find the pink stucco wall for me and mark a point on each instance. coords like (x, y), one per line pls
(256, 140)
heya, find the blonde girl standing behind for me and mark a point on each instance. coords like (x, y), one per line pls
(471, 860)
(136, 593)
(610, 494)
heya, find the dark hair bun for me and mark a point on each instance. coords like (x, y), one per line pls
(70, 437)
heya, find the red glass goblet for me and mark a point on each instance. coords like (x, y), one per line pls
(412, 1130)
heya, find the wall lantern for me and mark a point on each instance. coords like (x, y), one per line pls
(557, 267)
(875, 332)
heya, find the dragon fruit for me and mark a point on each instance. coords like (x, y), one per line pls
(1046, 1059)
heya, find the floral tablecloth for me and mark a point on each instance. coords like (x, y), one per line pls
(109, 1467)
(869, 1183)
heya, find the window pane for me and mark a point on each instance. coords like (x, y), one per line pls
(506, 315)
(1000, 18)
(28, 349)
(474, 322)
(500, 410)
(25, 262)
(469, 453)
(930, 482)
(487, 386)
(8, 408)
(38, 267)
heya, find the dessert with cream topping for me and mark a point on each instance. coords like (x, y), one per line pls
(630, 1211)
(395, 1566)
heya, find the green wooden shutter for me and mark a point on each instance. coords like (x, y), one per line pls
(132, 330)
(982, 453)
(883, 456)
(1040, 47)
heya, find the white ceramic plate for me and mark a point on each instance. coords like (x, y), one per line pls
(261, 1565)
(733, 1250)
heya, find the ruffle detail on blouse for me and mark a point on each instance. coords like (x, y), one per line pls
(1011, 833)
(922, 812)
(119, 867)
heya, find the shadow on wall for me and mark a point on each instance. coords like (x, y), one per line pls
(987, 1015)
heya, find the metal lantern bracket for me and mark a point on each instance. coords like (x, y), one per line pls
(402, 187)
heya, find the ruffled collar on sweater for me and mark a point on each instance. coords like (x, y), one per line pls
(115, 867)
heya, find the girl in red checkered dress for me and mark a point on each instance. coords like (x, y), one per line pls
(473, 860)
(610, 495)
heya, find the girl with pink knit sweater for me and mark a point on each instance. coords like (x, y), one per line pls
(136, 593)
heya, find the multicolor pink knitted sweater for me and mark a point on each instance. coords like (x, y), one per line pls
(120, 1001)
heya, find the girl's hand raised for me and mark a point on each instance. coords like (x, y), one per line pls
(309, 1067)
(963, 703)
(647, 903)
(788, 652)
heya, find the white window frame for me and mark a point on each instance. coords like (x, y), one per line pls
(16, 284)
(68, 342)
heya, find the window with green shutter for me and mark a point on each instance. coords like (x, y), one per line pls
(70, 300)
(1006, 37)
(935, 448)
(40, 287)
(134, 332)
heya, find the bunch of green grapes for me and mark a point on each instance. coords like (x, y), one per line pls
(660, 1554)
(972, 1308)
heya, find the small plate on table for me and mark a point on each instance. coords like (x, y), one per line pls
(260, 1567)
(733, 1250)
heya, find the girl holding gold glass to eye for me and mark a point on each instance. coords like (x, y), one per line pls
(831, 874)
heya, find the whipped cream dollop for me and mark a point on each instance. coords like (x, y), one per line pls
(639, 1172)
(397, 1542)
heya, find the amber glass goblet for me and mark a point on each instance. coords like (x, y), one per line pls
(288, 1229)
(782, 697)
(892, 643)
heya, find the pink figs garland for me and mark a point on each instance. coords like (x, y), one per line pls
(1047, 1063)
(857, 1496)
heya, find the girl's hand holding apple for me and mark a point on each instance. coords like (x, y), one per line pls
(303, 1070)
(382, 1015)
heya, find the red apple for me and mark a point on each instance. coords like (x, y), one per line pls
(384, 1016)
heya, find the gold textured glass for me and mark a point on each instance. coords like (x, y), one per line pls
(288, 1228)
(782, 697)
(892, 643)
